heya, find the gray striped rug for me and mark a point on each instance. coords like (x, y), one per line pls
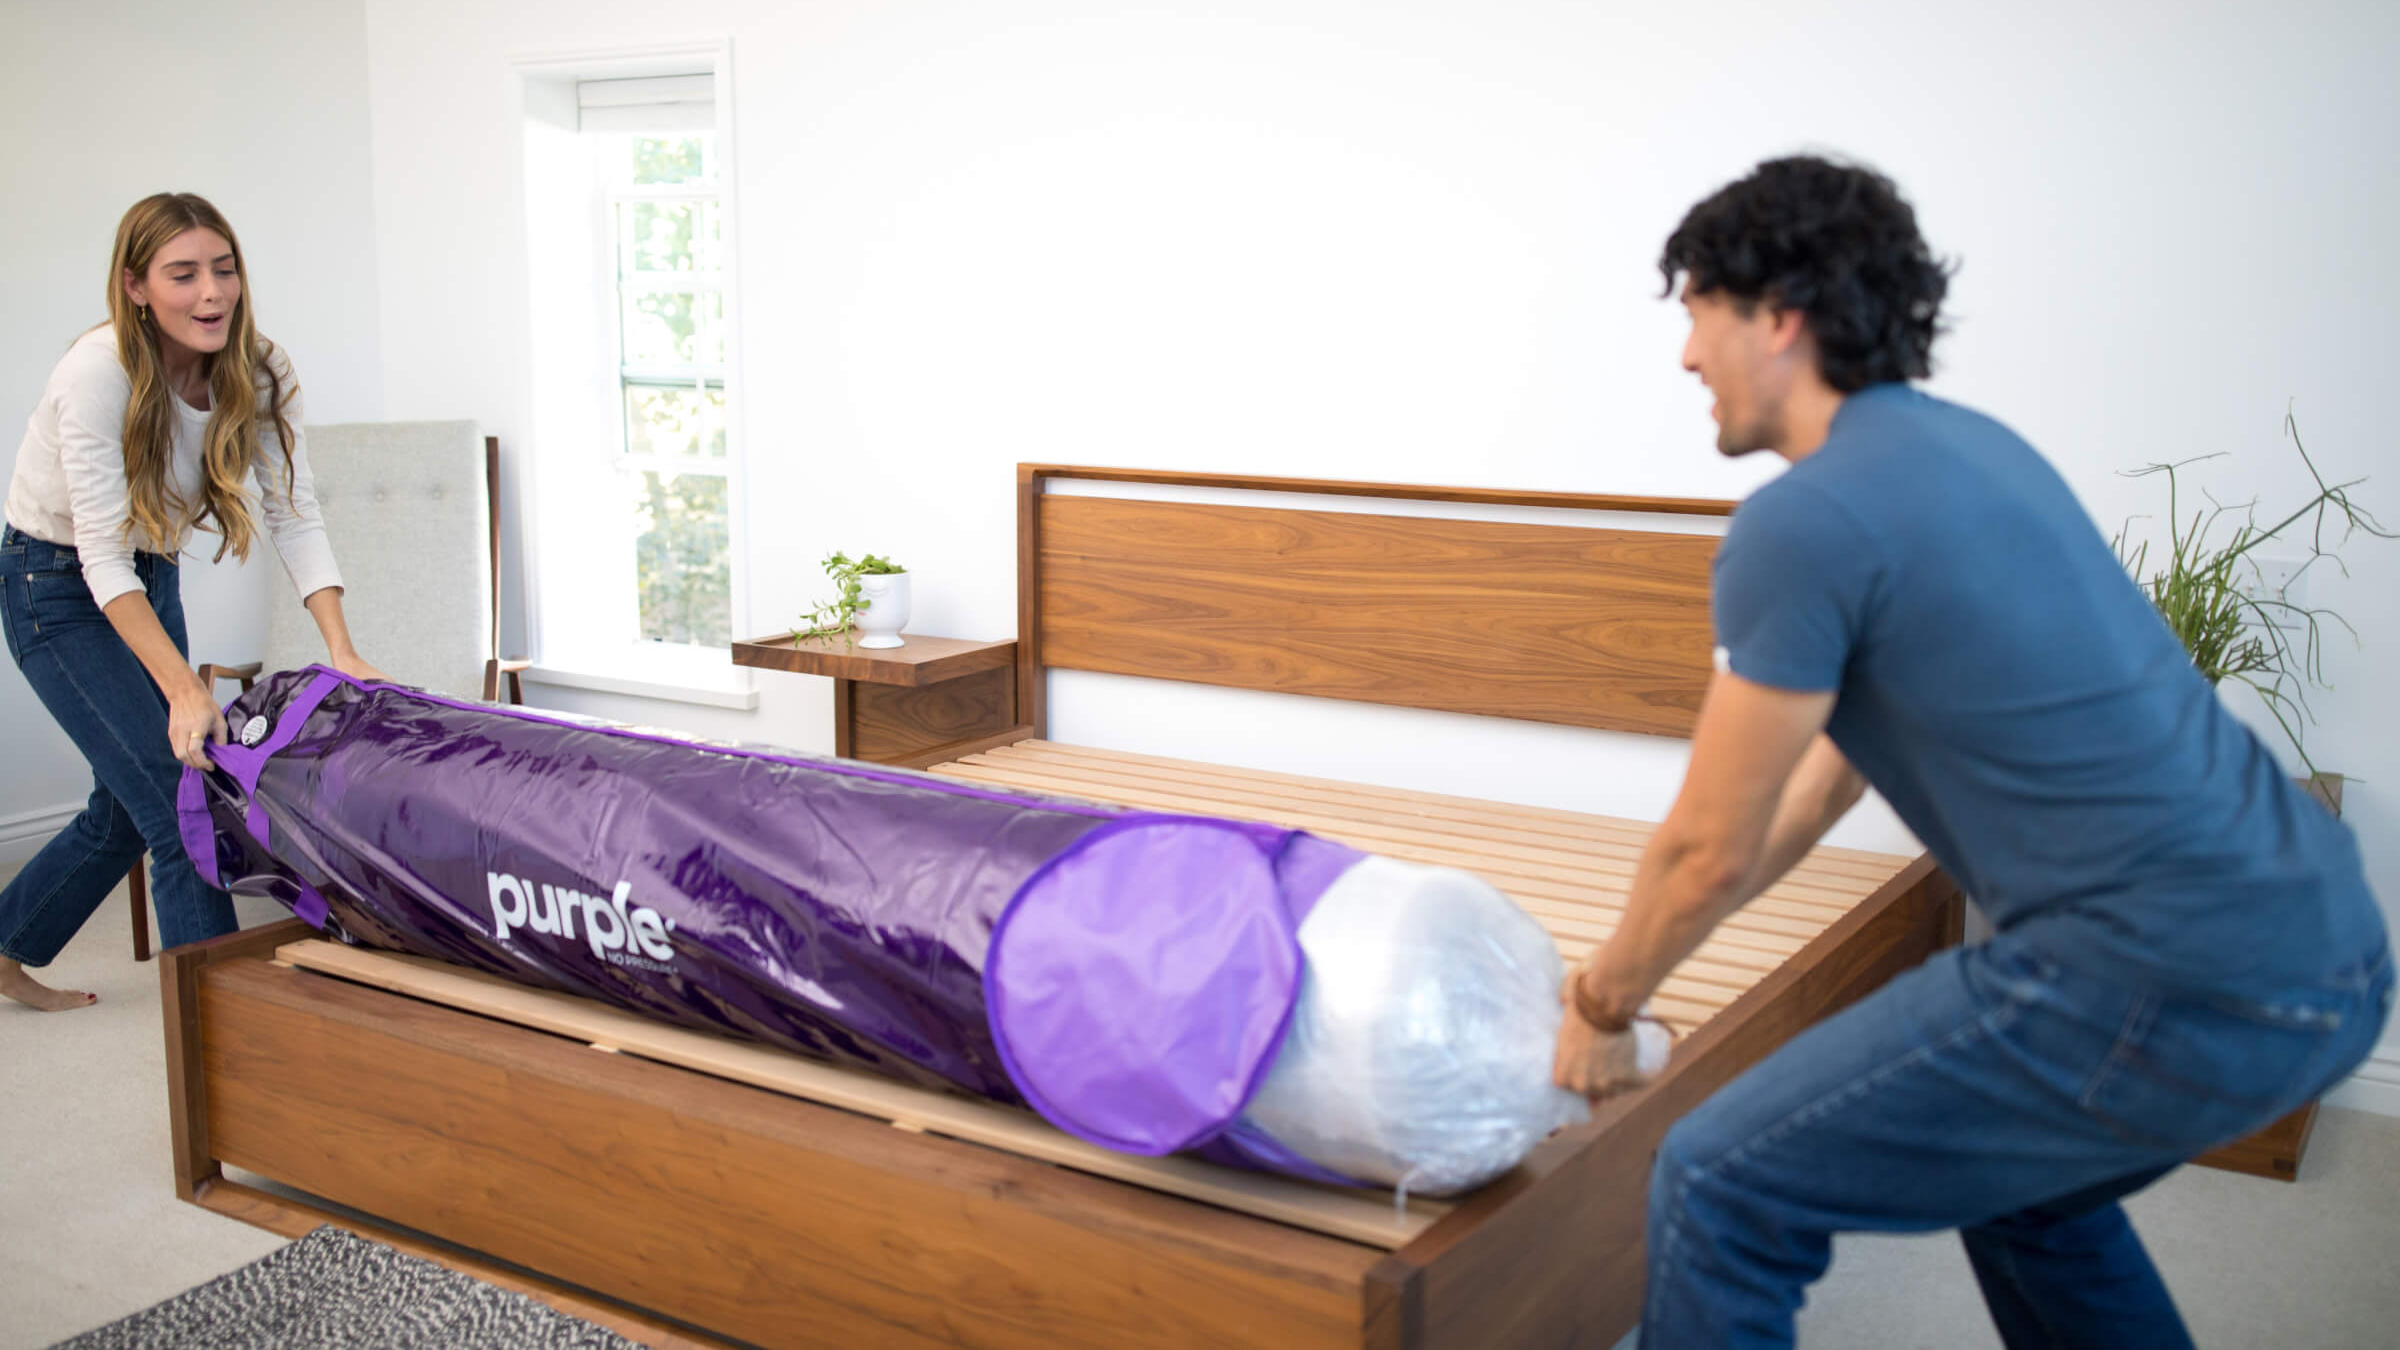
(336, 1289)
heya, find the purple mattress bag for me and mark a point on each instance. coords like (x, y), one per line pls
(1130, 976)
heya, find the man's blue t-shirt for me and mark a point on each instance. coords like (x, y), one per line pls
(2011, 692)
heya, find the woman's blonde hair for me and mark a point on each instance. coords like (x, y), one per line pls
(245, 391)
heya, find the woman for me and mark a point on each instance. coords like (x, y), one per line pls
(145, 433)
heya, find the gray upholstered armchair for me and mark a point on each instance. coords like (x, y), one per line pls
(413, 511)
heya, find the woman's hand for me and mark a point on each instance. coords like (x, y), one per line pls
(193, 724)
(325, 606)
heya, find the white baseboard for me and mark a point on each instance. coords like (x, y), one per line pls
(22, 835)
(2376, 1085)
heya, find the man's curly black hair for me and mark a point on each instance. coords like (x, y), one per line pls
(1837, 243)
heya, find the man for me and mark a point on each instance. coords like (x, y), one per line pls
(2186, 945)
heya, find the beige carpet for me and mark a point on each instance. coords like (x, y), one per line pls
(93, 1232)
(2304, 1265)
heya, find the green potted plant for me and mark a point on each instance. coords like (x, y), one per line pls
(2213, 594)
(871, 585)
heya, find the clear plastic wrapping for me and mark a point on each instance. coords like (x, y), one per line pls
(1419, 1053)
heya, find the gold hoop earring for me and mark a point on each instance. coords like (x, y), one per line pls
(141, 314)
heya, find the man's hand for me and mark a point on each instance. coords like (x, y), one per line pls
(1596, 1063)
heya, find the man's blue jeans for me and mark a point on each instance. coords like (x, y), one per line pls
(1992, 1091)
(114, 713)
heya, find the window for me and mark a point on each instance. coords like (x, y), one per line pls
(665, 239)
(633, 519)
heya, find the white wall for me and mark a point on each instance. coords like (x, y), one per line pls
(261, 108)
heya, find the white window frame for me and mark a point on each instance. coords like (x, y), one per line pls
(581, 626)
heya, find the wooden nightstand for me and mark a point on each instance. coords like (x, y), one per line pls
(894, 704)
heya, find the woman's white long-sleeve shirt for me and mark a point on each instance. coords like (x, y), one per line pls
(69, 486)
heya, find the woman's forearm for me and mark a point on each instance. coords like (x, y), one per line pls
(193, 721)
(130, 614)
(325, 606)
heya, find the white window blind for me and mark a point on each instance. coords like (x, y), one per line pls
(651, 104)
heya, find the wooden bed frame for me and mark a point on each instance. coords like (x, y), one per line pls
(682, 1187)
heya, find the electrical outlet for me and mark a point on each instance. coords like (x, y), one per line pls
(2283, 580)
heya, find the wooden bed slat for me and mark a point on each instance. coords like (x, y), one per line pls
(1574, 823)
(1800, 919)
(1826, 872)
(1580, 833)
(1580, 905)
(1574, 830)
(1357, 1216)
(1816, 896)
(1568, 917)
(1578, 896)
(1560, 885)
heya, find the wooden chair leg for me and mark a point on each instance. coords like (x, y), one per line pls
(495, 671)
(138, 882)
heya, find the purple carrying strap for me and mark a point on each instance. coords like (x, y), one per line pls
(199, 833)
(245, 764)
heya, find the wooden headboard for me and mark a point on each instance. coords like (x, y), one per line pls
(1591, 627)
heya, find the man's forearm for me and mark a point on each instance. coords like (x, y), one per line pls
(1684, 889)
(1820, 794)
(1680, 894)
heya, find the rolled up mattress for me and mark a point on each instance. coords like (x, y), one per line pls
(1154, 984)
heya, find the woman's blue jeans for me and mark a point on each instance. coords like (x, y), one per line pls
(114, 713)
(1992, 1091)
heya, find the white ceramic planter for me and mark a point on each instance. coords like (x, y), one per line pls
(886, 612)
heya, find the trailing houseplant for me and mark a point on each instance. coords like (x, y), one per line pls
(837, 616)
(2213, 596)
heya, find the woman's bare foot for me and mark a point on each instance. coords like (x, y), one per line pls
(16, 984)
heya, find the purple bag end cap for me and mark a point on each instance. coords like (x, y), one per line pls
(1140, 983)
